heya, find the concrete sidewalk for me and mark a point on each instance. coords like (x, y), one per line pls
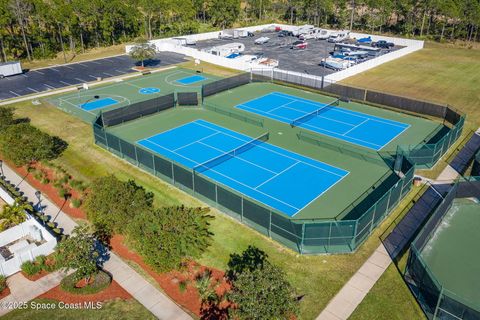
(355, 290)
(151, 298)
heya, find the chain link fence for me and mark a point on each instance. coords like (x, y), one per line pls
(436, 301)
(423, 155)
(304, 236)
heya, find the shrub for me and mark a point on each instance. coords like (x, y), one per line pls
(101, 280)
(30, 268)
(78, 185)
(76, 203)
(41, 260)
(51, 225)
(45, 181)
(63, 193)
(58, 231)
(64, 179)
(3, 283)
(182, 286)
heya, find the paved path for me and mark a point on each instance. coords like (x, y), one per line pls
(149, 296)
(354, 291)
(23, 290)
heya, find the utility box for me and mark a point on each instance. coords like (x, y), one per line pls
(10, 69)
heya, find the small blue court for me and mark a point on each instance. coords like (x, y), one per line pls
(191, 80)
(98, 104)
(351, 126)
(278, 178)
(149, 90)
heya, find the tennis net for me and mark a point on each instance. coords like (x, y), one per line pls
(230, 154)
(313, 114)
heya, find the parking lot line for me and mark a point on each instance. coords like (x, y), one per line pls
(32, 89)
(49, 86)
(15, 93)
(68, 84)
(108, 74)
(69, 67)
(54, 69)
(38, 71)
(81, 80)
(122, 72)
(92, 76)
(23, 74)
(96, 62)
(83, 65)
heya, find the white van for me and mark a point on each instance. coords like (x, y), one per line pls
(324, 34)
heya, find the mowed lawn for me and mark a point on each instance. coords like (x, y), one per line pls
(440, 72)
(42, 309)
(318, 278)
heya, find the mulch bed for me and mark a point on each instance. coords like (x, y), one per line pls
(113, 291)
(170, 281)
(4, 293)
(50, 191)
(36, 276)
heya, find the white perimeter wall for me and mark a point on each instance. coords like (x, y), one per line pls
(168, 44)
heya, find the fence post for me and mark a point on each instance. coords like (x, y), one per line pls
(438, 304)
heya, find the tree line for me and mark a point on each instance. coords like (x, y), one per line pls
(36, 29)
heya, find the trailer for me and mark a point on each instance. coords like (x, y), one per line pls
(227, 49)
(372, 51)
(10, 69)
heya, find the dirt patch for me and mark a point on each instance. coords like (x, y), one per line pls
(113, 291)
(180, 285)
(4, 293)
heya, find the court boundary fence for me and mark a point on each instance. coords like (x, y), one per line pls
(424, 155)
(436, 301)
(187, 98)
(308, 236)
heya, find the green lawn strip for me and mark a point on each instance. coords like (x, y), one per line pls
(317, 277)
(111, 310)
(440, 72)
(390, 299)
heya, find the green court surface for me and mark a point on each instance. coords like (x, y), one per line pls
(418, 130)
(87, 104)
(452, 253)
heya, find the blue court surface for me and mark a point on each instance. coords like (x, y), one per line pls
(191, 80)
(150, 90)
(97, 104)
(276, 177)
(351, 126)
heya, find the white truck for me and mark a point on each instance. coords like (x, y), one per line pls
(226, 49)
(324, 34)
(339, 36)
(310, 34)
(10, 69)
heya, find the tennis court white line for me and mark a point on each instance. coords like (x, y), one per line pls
(276, 175)
(317, 129)
(228, 179)
(239, 157)
(354, 113)
(284, 155)
(189, 144)
(355, 127)
(60, 99)
(133, 85)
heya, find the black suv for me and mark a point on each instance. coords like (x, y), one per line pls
(285, 33)
(383, 44)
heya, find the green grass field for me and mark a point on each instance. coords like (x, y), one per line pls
(318, 277)
(110, 310)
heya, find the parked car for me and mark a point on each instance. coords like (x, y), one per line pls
(262, 40)
(383, 44)
(285, 33)
(298, 45)
(324, 34)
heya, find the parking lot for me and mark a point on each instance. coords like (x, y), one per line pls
(45, 79)
(306, 61)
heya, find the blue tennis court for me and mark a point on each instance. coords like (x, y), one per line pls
(97, 104)
(276, 177)
(191, 80)
(351, 126)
